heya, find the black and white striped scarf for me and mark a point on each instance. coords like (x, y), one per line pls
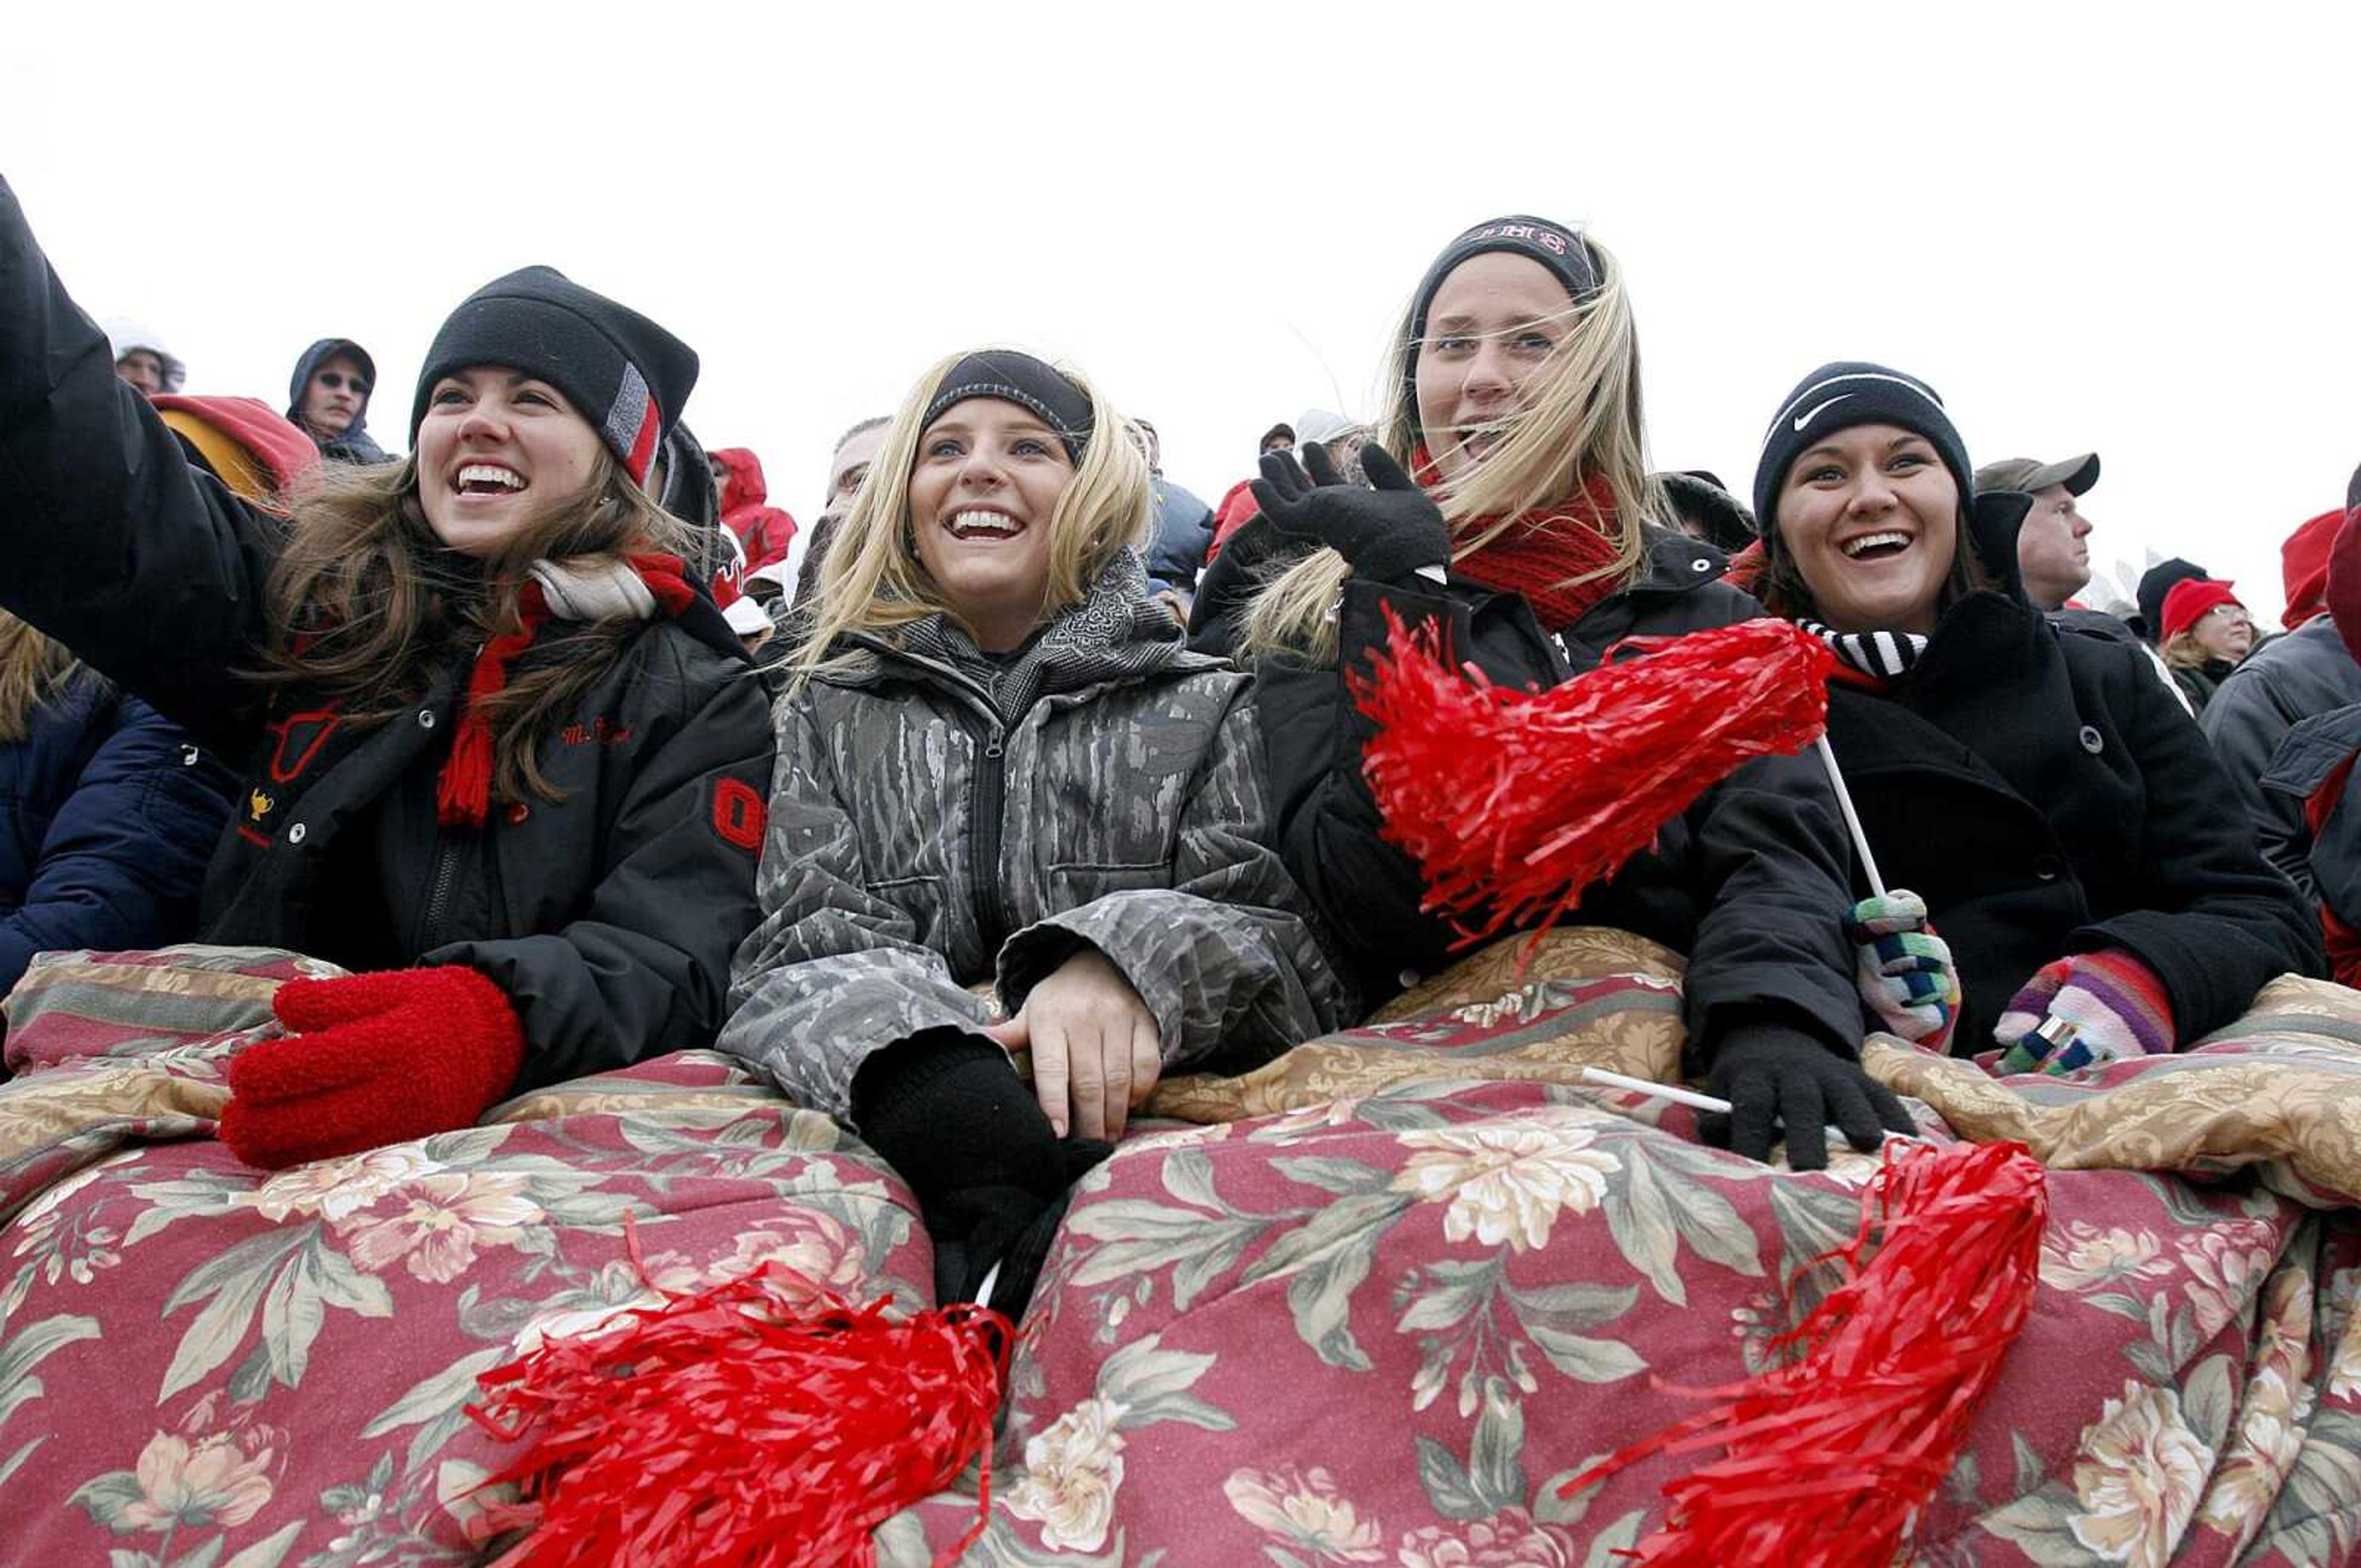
(1888, 655)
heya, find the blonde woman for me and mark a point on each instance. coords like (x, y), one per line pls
(999, 769)
(1525, 526)
(2206, 634)
(497, 753)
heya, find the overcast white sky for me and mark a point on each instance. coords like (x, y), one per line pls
(2090, 227)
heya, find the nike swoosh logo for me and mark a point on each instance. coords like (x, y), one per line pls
(1803, 419)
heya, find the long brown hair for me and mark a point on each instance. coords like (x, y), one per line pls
(368, 605)
(33, 668)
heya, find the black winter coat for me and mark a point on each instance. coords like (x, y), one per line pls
(2043, 791)
(608, 918)
(1750, 883)
(106, 816)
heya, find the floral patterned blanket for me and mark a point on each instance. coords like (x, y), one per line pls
(1369, 1304)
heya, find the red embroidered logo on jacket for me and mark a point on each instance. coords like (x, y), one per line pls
(738, 814)
(601, 731)
(300, 738)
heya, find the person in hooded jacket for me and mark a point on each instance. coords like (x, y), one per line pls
(500, 756)
(766, 532)
(2033, 784)
(108, 811)
(1000, 770)
(141, 358)
(328, 398)
(1523, 527)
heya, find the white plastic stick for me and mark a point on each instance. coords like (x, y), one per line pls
(1695, 1101)
(1853, 818)
(1677, 1095)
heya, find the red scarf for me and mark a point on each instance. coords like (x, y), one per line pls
(1537, 555)
(463, 794)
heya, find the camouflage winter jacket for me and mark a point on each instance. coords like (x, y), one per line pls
(940, 819)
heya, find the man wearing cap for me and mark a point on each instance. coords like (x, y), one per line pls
(2052, 554)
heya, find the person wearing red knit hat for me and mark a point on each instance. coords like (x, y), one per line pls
(2204, 634)
(500, 758)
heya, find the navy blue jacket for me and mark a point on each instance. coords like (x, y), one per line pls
(107, 815)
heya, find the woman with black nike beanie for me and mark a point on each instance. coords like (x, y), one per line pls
(2039, 792)
(1526, 524)
(500, 756)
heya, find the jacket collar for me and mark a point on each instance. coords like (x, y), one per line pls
(1673, 563)
(1115, 632)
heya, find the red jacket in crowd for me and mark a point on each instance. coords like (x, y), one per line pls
(761, 527)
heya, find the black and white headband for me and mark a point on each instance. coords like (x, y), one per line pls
(1019, 379)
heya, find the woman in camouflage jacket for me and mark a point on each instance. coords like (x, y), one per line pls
(1001, 770)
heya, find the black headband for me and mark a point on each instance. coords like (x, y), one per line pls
(1019, 379)
(1557, 247)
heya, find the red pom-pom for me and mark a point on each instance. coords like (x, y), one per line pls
(1521, 800)
(761, 1422)
(1830, 1457)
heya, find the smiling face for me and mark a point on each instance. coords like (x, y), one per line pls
(334, 396)
(1491, 326)
(985, 485)
(497, 449)
(1871, 519)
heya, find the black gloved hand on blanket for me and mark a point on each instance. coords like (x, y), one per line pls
(948, 1112)
(1771, 1073)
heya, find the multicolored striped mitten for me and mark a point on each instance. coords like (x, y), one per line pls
(2115, 1004)
(1903, 970)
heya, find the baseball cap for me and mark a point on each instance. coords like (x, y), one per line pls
(2077, 474)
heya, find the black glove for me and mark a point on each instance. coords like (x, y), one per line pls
(1770, 1073)
(1385, 534)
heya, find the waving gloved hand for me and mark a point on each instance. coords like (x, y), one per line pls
(2118, 1006)
(375, 1060)
(1771, 1073)
(1385, 534)
(1904, 970)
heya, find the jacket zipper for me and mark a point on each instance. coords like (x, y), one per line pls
(983, 844)
(438, 897)
(986, 800)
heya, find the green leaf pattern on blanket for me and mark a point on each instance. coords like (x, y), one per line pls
(1463, 1269)
(275, 1368)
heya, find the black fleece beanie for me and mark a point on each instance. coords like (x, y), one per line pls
(1839, 396)
(622, 372)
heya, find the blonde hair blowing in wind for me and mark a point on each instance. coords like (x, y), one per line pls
(874, 583)
(1581, 420)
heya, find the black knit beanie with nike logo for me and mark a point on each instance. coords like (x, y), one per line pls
(1837, 396)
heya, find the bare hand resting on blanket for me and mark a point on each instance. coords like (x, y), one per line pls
(1096, 1053)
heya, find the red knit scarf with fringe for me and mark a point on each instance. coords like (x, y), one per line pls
(1538, 554)
(463, 793)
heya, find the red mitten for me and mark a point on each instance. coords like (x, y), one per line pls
(375, 1060)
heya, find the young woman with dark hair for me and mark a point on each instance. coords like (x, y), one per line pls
(2036, 785)
(499, 753)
